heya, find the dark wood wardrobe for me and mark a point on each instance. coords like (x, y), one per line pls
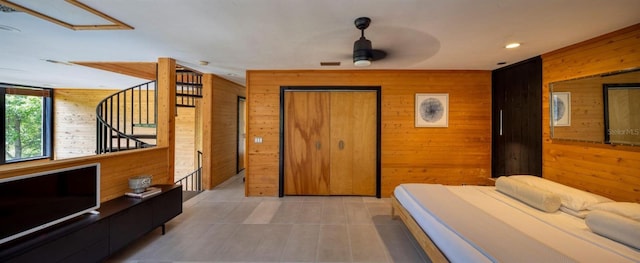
(517, 119)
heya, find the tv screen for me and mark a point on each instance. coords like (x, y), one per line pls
(32, 202)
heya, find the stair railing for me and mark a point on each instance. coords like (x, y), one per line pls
(193, 181)
(118, 115)
(188, 88)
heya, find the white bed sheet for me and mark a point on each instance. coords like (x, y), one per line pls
(561, 231)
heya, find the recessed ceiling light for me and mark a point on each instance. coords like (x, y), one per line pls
(9, 28)
(512, 45)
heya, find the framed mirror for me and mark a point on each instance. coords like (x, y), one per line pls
(594, 109)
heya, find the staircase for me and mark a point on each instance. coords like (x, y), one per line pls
(126, 120)
(188, 88)
(192, 183)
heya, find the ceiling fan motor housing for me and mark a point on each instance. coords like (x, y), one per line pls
(362, 50)
(362, 54)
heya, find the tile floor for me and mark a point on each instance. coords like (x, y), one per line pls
(223, 225)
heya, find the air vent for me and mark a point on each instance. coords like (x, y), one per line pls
(330, 63)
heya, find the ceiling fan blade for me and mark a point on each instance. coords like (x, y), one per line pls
(377, 54)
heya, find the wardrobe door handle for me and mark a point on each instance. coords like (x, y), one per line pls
(500, 122)
(341, 145)
(318, 145)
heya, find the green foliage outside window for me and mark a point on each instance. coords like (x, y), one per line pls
(23, 127)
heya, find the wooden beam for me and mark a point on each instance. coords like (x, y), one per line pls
(207, 131)
(166, 92)
(143, 70)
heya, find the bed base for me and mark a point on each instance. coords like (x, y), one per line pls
(432, 251)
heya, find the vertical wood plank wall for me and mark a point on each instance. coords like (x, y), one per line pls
(75, 121)
(603, 169)
(459, 154)
(185, 162)
(219, 129)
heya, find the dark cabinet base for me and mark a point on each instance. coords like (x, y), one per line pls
(93, 237)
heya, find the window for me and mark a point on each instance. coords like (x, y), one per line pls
(25, 116)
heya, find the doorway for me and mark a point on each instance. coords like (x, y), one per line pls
(241, 135)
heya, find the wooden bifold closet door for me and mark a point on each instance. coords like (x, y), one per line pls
(306, 143)
(330, 143)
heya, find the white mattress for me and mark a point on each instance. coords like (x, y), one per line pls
(565, 233)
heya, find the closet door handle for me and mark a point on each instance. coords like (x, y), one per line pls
(341, 145)
(318, 145)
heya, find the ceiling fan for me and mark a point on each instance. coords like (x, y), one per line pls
(363, 53)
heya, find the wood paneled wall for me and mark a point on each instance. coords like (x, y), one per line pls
(75, 121)
(219, 129)
(115, 168)
(185, 141)
(611, 171)
(459, 154)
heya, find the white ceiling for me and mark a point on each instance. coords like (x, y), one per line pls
(238, 35)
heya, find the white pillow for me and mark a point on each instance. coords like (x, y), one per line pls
(626, 209)
(615, 227)
(531, 195)
(579, 214)
(570, 197)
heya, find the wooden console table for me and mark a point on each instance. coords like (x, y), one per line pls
(93, 237)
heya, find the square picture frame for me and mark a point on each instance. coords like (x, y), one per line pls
(432, 110)
(561, 108)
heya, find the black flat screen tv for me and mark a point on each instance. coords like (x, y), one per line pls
(32, 202)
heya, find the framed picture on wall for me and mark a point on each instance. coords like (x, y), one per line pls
(561, 108)
(432, 110)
